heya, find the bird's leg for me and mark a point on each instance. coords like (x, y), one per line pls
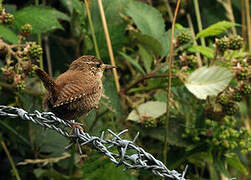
(74, 125)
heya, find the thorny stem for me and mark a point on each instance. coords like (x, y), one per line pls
(92, 29)
(109, 44)
(229, 11)
(215, 56)
(11, 160)
(48, 55)
(39, 42)
(170, 61)
(197, 12)
(193, 34)
(243, 21)
(248, 23)
(169, 10)
(141, 79)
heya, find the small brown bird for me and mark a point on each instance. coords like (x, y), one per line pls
(76, 91)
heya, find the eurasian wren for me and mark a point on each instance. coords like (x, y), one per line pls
(76, 91)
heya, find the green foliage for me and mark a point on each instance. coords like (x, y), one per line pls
(7, 34)
(209, 112)
(116, 25)
(215, 29)
(133, 62)
(205, 51)
(153, 109)
(208, 81)
(148, 19)
(98, 167)
(42, 19)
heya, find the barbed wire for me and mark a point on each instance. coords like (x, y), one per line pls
(139, 160)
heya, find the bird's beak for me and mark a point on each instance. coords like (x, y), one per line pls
(108, 66)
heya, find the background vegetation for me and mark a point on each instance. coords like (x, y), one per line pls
(189, 99)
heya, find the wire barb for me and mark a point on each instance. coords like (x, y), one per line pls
(139, 160)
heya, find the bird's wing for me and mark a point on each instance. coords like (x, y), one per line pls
(72, 92)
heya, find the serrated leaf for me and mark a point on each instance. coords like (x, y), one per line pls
(133, 62)
(215, 29)
(205, 51)
(8, 35)
(42, 18)
(146, 58)
(148, 19)
(208, 81)
(152, 109)
(150, 42)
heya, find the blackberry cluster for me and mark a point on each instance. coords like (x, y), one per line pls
(184, 38)
(26, 30)
(192, 62)
(8, 18)
(222, 135)
(230, 108)
(20, 85)
(150, 122)
(222, 44)
(235, 42)
(245, 89)
(243, 74)
(236, 96)
(35, 51)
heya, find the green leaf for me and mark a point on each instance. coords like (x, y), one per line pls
(215, 29)
(42, 18)
(205, 51)
(113, 101)
(146, 58)
(208, 81)
(150, 42)
(113, 10)
(152, 109)
(148, 19)
(235, 162)
(133, 62)
(73, 4)
(8, 35)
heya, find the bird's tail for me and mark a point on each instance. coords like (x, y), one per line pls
(48, 82)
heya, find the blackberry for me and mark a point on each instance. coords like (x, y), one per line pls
(235, 43)
(8, 18)
(35, 51)
(150, 122)
(245, 89)
(26, 30)
(243, 74)
(236, 96)
(184, 38)
(230, 109)
(20, 85)
(222, 44)
(223, 99)
(192, 61)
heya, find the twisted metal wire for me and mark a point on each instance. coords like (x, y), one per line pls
(139, 160)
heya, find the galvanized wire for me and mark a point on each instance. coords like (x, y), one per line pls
(139, 159)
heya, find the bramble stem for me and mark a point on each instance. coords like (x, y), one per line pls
(170, 61)
(248, 24)
(197, 13)
(11, 160)
(109, 44)
(94, 39)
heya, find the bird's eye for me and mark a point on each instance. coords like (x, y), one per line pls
(98, 65)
